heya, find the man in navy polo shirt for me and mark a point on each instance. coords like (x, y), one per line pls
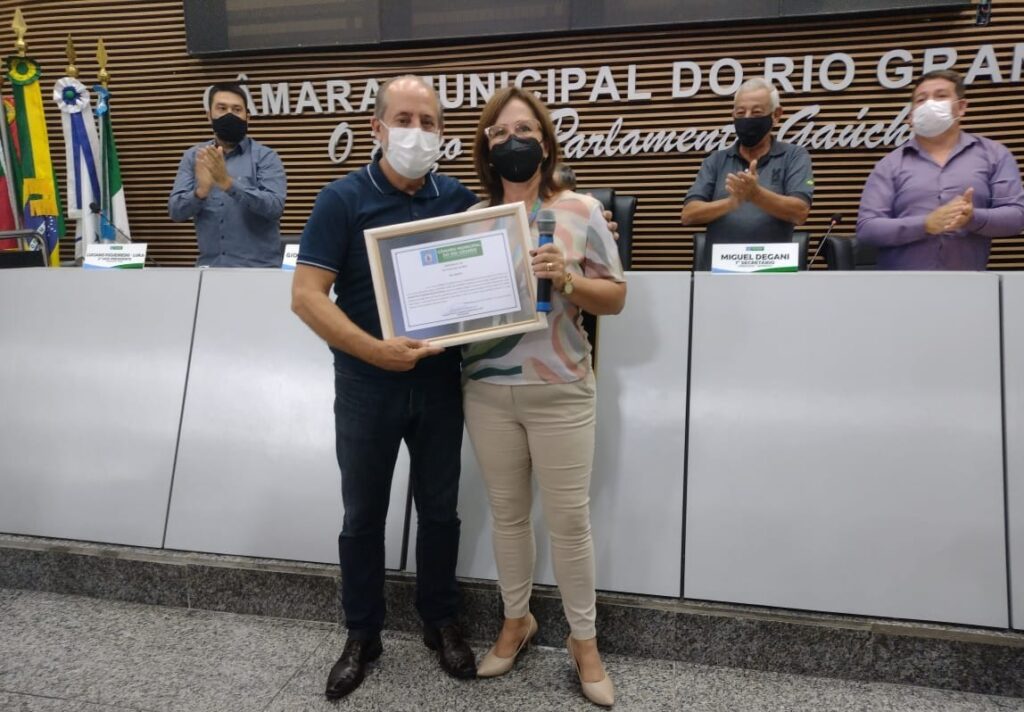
(388, 390)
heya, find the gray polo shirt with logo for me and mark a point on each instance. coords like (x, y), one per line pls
(785, 169)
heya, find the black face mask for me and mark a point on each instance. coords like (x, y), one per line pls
(517, 160)
(229, 128)
(751, 130)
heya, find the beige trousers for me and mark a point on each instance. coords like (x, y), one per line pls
(546, 431)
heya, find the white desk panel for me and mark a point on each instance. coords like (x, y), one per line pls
(846, 445)
(637, 485)
(257, 473)
(92, 375)
(1013, 375)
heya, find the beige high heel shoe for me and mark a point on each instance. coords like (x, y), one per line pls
(601, 692)
(493, 665)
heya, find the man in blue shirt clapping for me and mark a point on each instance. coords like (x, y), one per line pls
(233, 187)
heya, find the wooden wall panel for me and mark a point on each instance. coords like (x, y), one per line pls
(157, 92)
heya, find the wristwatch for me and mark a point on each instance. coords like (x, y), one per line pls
(567, 285)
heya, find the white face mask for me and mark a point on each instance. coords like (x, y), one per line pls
(412, 152)
(933, 117)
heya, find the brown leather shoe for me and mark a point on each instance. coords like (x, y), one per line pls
(348, 673)
(454, 654)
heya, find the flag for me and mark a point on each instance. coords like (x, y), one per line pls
(36, 185)
(114, 218)
(9, 179)
(81, 147)
(6, 209)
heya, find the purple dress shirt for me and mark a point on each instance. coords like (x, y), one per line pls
(908, 184)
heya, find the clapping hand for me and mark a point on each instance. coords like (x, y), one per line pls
(951, 216)
(211, 160)
(965, 206)
(204, 181)
(743, 186)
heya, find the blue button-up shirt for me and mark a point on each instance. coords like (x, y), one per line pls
(908, 184)
(238, 227)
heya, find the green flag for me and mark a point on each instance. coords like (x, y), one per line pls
(114, 222)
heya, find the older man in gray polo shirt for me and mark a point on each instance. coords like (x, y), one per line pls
(759, 188)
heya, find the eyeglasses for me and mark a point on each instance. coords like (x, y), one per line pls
(501, 132)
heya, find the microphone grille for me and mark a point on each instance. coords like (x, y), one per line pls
(546, 222)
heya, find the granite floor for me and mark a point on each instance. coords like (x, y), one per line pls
(62, 653)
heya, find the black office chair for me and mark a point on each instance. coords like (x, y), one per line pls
(12, 259)
(625, 209)
(864, 256)
(605, 196)
(801, 238)
(838, 253)
(702, 250)
(847, 253)
(29, 250)
(289, 240)
(701, 253)
(622, 208)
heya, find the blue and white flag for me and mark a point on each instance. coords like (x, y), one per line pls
(81, 145)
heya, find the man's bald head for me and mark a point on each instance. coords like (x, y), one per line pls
(408, 85)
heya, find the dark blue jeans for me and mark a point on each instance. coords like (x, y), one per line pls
(372, 417)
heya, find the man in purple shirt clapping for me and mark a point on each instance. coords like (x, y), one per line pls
(937, 201)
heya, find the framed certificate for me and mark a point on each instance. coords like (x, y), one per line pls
(456, 279)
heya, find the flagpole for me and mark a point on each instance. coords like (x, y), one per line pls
(20, 28)
(81, 223)
(8, 160)
(39, 190)
(104, 197)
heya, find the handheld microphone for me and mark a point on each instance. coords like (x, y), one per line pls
(832, 222)
(546, 230)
